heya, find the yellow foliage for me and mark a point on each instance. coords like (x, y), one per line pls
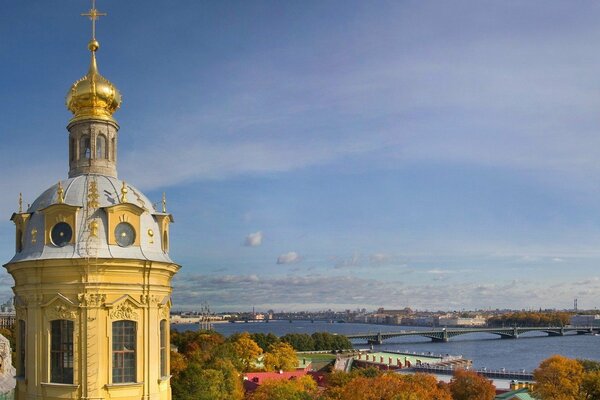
(281, 356)
(283, 389)
(558, 378)
(246, 350)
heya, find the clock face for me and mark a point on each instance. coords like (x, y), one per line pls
(61, 234)
(124, 234)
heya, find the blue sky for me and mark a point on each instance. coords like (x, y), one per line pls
(431, 154)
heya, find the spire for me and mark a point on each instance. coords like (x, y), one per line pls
(20, 203)
(93, 96)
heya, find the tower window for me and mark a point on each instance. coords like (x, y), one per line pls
(123, 351)
(19, 241)
(101, 147)
(86, 150)
(72, 149)
(165, 241)
(61, 352)
(21, 346)
(163, 347)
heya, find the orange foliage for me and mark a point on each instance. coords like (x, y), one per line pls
(468, 385)
(390, 387)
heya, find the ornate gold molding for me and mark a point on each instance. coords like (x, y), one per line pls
(125, 310)
(61, 311)
(91, 299)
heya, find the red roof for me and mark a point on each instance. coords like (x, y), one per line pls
(253, 379)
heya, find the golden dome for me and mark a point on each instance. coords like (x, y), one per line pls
(93, 96)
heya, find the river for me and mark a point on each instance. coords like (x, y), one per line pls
(486, 350)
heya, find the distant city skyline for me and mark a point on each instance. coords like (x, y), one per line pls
(334, 155)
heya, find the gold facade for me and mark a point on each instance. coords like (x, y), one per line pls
(91, 269)
(93, 295)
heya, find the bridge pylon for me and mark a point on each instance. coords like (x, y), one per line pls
(376, 340)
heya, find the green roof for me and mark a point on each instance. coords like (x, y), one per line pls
(521, 394)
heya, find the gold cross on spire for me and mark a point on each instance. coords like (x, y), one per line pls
(94, 15)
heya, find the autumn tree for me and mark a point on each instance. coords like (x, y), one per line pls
(246, 350)
(204, 368)
(281, 356)
(178, 363)
(389, 386)
(468, 385)
(303, 388)
(558, 378)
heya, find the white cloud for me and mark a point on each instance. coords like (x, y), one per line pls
(289, 258)
(254, 239)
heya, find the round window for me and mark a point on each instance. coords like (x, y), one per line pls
(61, 234)
(124, 234)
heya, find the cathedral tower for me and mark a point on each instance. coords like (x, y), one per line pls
(92, 269)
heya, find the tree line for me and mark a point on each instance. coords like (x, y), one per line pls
(530, 318)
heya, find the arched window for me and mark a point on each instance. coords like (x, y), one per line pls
(61, 351)
(85, 150)
(123, 351)
(101, 147)
(21, 347)
(19, 241)
(113, 149)
(163, 348)
(72, 149)
(165, 242)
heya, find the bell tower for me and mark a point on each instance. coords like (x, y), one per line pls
(93, 131)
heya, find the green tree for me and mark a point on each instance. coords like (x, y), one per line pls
(299, 341)
(264, 341)
(468, 385)
(589, 365)
(281, 356)
(590, 386)
(558, 378)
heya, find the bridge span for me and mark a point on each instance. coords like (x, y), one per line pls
(444, 334)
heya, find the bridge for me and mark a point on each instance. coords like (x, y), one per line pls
(444, 334)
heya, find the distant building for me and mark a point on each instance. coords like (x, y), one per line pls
(585, 320)
(451, 320)
(7, 319)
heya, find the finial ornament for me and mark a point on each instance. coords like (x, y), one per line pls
(60, 194)
(164, 203)
(124, 193)
(93, 14)
(20, 203)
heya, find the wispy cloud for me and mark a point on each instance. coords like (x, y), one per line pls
(294, 292)
(289, 258)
